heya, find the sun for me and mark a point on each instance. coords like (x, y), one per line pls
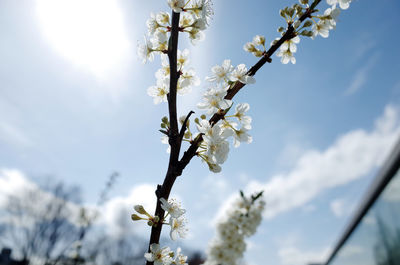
(88, 33)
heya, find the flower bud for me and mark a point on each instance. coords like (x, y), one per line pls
(150, 223)
(307, 23)
(140, 209)
(135, 217)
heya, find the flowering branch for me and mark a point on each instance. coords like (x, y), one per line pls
(175, 139)
(289, 34)
(210, 144)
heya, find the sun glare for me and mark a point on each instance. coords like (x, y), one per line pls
(89, 33)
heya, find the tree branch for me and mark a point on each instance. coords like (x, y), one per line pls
(175, 140)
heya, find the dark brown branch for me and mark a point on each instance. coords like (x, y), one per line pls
(175, 140)
(184, 125)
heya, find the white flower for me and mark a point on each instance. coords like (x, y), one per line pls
(241, 136)
(321, 28)
(178, 227)
(240, 114)
(160, 256)
(217, 147)
(344, 4)
(188, 78)
(163, 18)
(160, 91)
(213, 100)
(163, 72)
(214, 167)
(240, 221)
(199, 24)
(287, 56)
(259, 40)
(176, 5)
(290, 44)
(186, 20)
(172, 207)
(182, 58)
(240, 74)
(331, 15)
(220, 73)
(152, 24)
(145, 51)
(180, 259)
(203, 9)
(195, 35)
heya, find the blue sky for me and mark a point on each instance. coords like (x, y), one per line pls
(73, 105)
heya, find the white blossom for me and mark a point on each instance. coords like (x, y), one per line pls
(259, 40)
(220, 72)
(176, 5)
(217, 148)
(240, 74)
(203, 9)
(186, 20)
(180, 259)
(172, 207)
(344, 4)
(182, 58)
(287, 56)
(240, 115)
(158, 255)
(321, 28)
(163, 18)
(178, 227)
(145, 51)
(213, 100)
(188, 78)
(240, 221)
(241, 136)
(160, 91)
(290, 44)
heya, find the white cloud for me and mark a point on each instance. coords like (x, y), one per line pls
(361, 76)
(341, 207)
(294, 256)
(352, 156)
(116, 213)
(14, 183)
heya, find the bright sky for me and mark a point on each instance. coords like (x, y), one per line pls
(73, 104)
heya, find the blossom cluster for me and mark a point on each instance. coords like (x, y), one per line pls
(320, 25)
(240, 221)
(164, 256)
(177, 222)
(176, 219)
(194, 20)
(215, 146)
(187, 78)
